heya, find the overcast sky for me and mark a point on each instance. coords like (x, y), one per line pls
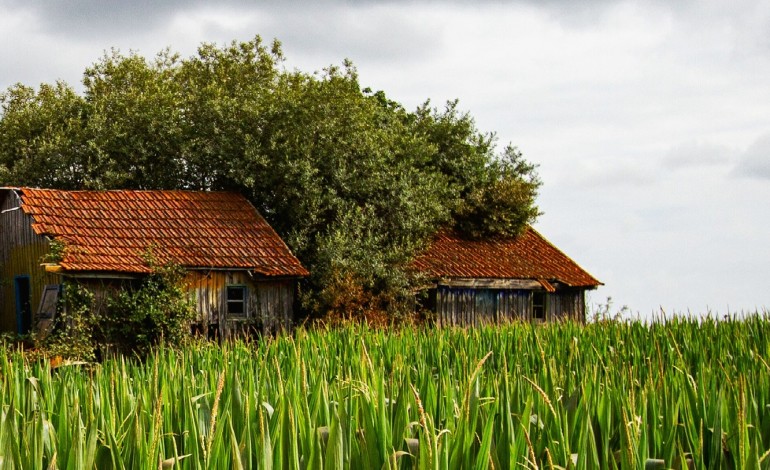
(650, 120)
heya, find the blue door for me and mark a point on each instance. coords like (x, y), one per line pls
(23, 305)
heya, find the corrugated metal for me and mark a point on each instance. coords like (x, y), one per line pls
(21, 252)
(473, 307)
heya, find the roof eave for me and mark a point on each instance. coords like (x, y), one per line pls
(500, 282)
(117, 274)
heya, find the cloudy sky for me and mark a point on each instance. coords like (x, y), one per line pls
(650, 120)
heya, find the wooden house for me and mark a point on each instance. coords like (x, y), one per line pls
(239, 272)
(493, 280)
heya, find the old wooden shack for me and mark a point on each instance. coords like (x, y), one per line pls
(240, 273)
(492, 280)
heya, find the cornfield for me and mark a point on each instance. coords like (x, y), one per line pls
(678, 394)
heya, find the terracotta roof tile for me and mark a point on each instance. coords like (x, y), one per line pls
(529, 256)
(111, 230)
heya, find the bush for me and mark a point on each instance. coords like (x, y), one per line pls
(159, 309)
(73, 334)
(132, 320)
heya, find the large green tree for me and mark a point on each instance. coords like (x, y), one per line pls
(353, 182)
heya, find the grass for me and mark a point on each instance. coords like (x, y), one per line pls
(682, 394)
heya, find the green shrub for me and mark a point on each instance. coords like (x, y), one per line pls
(137, 319)
(132, 319)
(73, 334)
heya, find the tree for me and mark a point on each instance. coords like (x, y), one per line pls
(339, 178)
(351, 180)
(134, 121)
(502, 203)
(42, 137)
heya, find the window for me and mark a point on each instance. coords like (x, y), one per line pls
(47, 308)
(236, 301)
(538, 305)
(46, 312)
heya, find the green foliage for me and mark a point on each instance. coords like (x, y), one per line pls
(350, 179)
(129, 319)
(133, 122)
(504, 204)
(73, 335)
(5, 173)
(158, 309)
(43, 137)
(682, 394)
(57, 249)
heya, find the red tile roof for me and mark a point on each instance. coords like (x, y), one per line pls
(112, 230)
(529, 256)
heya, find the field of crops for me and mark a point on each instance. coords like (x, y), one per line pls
(684, 394)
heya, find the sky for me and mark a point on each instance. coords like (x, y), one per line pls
(650, 121)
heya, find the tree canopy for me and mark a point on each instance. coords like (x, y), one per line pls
(351, 180)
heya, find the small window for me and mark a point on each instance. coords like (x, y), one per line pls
(47, 308)
(538, 305)
(236, 301)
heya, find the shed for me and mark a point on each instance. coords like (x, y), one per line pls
(239, 271)
(501, 279)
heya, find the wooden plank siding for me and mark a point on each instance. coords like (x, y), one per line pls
(21, 252)
(463, 306)
(269, 303)
(566, 304)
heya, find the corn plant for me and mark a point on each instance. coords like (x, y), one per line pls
(683, 394)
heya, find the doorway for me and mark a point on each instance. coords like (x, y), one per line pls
(23, 305)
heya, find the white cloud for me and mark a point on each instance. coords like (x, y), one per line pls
(612, 174)
(697, 154)
(755, 161)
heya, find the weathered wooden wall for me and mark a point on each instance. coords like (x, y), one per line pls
(101, 288)
(21, 252)
(269, 305)
(473, 306)
(566, 304)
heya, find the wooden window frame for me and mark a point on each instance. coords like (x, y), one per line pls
(49, 301)
(539, 306)
(243, 301)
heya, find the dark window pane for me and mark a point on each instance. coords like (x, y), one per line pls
(235, 293)
(236, 300)
(538, 305)
(235, 308)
